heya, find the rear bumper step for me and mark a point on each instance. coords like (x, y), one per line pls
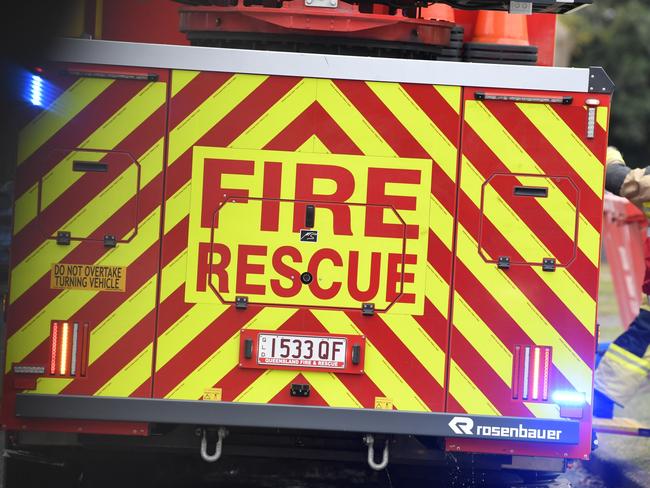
(557, 431)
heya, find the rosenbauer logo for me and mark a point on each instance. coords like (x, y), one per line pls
(467, 426)
(248, 235)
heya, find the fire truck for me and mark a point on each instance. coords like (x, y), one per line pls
(373, 225)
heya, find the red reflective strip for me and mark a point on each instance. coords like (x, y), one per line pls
(53, 346)
(526, 371)
(515, 372)
(547, 364)
(536, 361)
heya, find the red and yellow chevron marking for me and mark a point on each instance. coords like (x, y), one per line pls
(237, 111)
(93, 120)
(159, 338)
(494, 310)
(405, 355)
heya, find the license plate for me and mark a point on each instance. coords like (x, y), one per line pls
(302, 351)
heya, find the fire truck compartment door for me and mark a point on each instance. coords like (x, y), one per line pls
(339, 230)
(523, 207)
(101, 173)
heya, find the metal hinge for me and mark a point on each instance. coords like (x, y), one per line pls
(110, 240)
(63, 238)
(548, 264)
(241, 303)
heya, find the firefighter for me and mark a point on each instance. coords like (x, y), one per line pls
(626, 365)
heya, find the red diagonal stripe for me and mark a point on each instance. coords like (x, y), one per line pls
(193, 94)
(238, 120)
(115, 358)
(381, 119)
(82, 192)
(546, 156)
(175, 241)
(401, 359)
(434, 324)
(541, 223)
(500, 322)
(172, 308)
(224, 132)
(530, 284)
(40, 294)
(190, 357)
(314, 121)
(399, 138)
(436, 108)
(439, 257)
(480, 372)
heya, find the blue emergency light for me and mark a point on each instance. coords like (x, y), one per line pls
(568, 398)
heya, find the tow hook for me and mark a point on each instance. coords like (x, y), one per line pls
(370, 442)
(211, 458)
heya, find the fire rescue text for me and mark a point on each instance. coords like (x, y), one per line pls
(250, 207)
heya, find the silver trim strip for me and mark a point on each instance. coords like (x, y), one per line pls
(73, 362)
(321, 65)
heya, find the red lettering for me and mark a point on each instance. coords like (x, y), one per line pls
(244, 268)
(318, 257)
(397, 277)
(286, 271)
(272, 187)
(204, 269)
(377, 180)
(372, 275)
(213, 192)
(305, 176)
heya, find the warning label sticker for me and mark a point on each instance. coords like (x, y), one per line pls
(65, 276)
